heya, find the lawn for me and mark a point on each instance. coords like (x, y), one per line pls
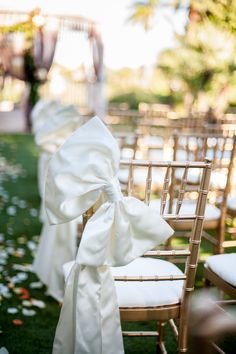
(28, 317)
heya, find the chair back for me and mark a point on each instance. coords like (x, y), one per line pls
(220, 149)
(172, 210)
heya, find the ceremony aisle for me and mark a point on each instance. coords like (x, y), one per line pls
(28, 317)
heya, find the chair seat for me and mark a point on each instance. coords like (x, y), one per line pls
(224, 266)
(147, 293)
(231, 203)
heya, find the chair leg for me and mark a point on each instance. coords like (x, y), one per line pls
(183, 337)
(206, 283)
(161, 339)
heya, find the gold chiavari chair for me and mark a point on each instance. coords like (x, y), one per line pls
(221, 151)
(219, 271)
(122, 120)
(150, 288)
(128, 144)
(219, 268)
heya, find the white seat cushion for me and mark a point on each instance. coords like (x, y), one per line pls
(188, 208)
(224, 266)
(142, 294)
(231, 203)
(147, 293)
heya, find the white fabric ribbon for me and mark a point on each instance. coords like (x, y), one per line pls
(42, 111)
(121, 229)
(58, 126)
(58, 243)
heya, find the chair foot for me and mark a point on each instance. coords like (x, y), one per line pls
(161, 349)
(206, 283)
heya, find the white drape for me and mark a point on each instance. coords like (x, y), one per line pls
(58, 243)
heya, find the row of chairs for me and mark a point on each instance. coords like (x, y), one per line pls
(120, 118)
(221, 150)
(218, 143)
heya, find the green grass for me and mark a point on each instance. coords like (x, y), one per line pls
(19, 230)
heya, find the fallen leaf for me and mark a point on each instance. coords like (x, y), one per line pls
(17, 322)
(24, 294)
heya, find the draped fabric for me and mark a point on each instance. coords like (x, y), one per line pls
(57, 245)
(53, 123)
(42, 111)
(28, 63)
(97, 102)
(121, 229)
(44, 48)
(13, 50)
(97, 51)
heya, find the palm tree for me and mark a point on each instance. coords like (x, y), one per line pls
(143, 12)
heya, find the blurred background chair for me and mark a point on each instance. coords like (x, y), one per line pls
(221, 151)
(219, 270)
(210, 324)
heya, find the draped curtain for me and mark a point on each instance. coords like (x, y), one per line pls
(30, 64)
(12, 50)
(96, 100)
(33, 64)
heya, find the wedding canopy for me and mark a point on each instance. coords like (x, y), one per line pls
(28, 42)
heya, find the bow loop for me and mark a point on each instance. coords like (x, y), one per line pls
(80, 170)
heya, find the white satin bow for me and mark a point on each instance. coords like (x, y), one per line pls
(122, 229)
(58, 127)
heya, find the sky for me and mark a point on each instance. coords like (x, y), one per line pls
(125, 44)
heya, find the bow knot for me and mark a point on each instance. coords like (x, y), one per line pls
(112, 190)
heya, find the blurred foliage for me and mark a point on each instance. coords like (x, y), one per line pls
(202, 65)
(220, 12)
(134, 97)
(132, 87)
(144, 12)
(28, 28)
